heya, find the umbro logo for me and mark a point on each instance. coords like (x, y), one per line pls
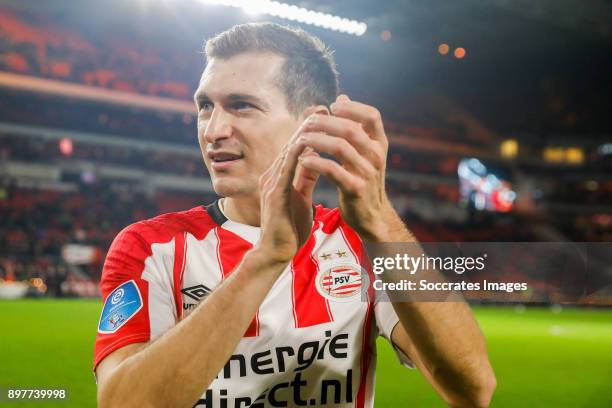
(197, 292)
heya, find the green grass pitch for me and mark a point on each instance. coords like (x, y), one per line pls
(541, 358)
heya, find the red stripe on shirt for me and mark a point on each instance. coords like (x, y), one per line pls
(309, 307)
(218, 253)
(231, 250)
(180, 250)
(354, 243)
(366, 356)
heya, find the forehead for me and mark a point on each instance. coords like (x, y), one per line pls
(252, 73)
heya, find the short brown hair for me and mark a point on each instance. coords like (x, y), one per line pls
(308, 76)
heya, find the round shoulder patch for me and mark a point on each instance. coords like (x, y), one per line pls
(341, 282)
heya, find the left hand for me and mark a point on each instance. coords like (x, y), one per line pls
(356, 137)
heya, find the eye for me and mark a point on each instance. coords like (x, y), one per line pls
(239, 105)
(206, 106)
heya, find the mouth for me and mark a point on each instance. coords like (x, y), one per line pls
(222, 160)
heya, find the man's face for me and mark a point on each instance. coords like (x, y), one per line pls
(243, 121)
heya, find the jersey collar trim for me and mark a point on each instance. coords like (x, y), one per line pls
(215, 213)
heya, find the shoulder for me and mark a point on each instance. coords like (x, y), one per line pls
(131, 248)
(164, 227)
(134, 243)
(332, 224)
(330, 219)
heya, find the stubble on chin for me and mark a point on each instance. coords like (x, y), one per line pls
(234, 188)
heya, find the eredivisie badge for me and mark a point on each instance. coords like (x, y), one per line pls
(120, 306)
(341, 282)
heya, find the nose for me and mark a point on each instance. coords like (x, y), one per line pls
(218, 126)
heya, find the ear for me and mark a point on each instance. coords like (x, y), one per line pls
(320, 109)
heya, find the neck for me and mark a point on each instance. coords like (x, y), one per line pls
(244, 210)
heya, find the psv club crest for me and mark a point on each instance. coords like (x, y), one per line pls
(341, 282)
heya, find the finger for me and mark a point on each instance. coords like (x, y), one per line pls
(369, 117)
(267, 176)
(344, 128)
(339, 148)
(301, 203)
(276, 165)
(289, 165)
(306, 179)
(299, 131)
(342, 178)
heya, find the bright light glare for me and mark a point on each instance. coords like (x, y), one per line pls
(295, 13)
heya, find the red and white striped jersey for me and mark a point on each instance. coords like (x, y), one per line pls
(312, 340)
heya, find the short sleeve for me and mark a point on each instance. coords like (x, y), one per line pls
(137, 296)
(386, 319)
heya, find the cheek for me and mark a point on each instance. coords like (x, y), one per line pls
(201, 128)
(201, 131)
(262, 144)
(264, 157)
(202, 142)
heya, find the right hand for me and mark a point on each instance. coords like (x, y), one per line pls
(286, 191)
(282, 207)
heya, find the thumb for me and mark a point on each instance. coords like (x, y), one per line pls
(342, 98)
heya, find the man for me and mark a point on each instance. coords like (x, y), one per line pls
(268, 329)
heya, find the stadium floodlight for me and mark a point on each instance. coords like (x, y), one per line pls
(295, 13)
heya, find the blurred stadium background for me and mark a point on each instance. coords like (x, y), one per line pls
(498, 114)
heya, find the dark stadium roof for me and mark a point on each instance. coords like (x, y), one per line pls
(531, 66)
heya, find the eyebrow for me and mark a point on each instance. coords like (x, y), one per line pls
(200, 97)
